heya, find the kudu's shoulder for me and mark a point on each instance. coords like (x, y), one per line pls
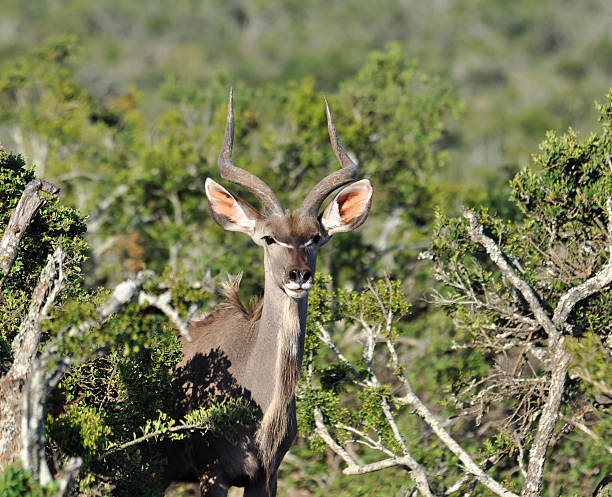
(226, 332)
(222, 317)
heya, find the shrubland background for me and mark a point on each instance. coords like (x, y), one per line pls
(123, 104)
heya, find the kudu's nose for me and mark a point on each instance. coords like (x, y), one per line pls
(299, 276)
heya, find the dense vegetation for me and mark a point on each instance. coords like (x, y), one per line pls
(127, 114)
(521, 68)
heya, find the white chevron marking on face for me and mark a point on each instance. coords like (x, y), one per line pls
(296, 294)
(303, 245)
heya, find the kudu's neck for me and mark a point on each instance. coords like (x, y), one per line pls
(276, 304)
(282, 324)
(281, 333)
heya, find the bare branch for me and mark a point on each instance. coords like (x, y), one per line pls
(469, 297)
(585, 376)
(488, 463)
(322, 431)
(422, 410)
(28, 205)
(25, 347)
(417, 471)
(391, 420)
(584, 428)
(521, 455)
(496, 255)
(384, 464)
(78, 174)
(43, 379)
(366, 440)
(325, 337)
(368, 350)
(559, 359)
(50, 283)
(354, 468)
(593, 285)
(162, 302)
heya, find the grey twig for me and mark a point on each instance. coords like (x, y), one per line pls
(499, 259)
(354, 468)
(149, 436)
(162, 302)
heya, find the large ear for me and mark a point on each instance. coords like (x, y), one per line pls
(349, 209)
(228, 212)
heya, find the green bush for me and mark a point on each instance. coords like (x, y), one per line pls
(15, 482)
(53, 225)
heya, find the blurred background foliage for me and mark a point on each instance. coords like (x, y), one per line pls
(123, 105)
(522, 68)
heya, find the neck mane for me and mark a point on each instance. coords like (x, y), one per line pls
(285, 317)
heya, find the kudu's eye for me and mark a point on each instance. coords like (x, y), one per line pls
(268, 239)
(316, 239)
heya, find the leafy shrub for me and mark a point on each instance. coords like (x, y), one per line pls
(15, 482)
(53, 225)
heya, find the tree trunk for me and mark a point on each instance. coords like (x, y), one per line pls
(25, 345)
(25, 348)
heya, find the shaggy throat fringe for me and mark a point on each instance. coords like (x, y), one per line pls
(273, 426)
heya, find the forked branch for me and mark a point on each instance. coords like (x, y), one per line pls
(476, 232)
(355, 468)
(557, 357)
(372, 338)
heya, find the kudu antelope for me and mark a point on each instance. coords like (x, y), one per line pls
(258, 355)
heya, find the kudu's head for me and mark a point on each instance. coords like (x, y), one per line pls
(290, 239)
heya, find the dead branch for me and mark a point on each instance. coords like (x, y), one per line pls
(50, 283)
(162, 302)
(25, 347)
(47, 371)
(28, 205)
(477, 235)
(354, 468)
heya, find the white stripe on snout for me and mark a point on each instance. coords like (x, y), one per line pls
(303, 245)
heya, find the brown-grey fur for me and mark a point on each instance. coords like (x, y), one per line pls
(257, 354)
(258, 359)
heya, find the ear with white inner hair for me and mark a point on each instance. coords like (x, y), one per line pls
(349, 209)
(232, 214)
